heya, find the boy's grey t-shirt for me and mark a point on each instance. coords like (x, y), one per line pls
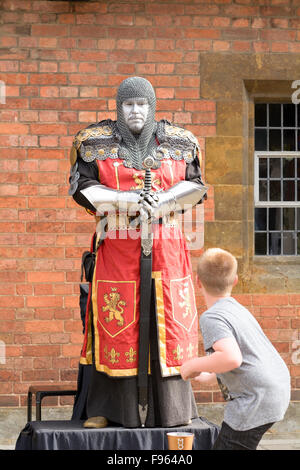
(259, 390)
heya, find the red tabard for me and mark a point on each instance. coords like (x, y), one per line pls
(115, 288)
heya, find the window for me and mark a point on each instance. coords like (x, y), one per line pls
(277, 179)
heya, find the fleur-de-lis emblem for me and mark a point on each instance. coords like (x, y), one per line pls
(178, 353)
(131, 355)
(111, 356)
(190, 350)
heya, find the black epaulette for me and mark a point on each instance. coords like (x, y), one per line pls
(176, 143)
(97, 141)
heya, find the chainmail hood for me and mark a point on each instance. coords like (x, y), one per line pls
(136, 147)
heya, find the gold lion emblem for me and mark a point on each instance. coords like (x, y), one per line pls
(114, 306)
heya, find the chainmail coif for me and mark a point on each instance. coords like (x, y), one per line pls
(135, 147)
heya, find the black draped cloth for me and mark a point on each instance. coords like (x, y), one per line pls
(71, 435)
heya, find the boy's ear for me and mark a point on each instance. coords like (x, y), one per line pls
(236, 280)
(198, 281)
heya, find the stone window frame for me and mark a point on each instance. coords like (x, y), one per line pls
(235, 82)
(260, 91)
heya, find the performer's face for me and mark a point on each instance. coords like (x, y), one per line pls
(135, 111)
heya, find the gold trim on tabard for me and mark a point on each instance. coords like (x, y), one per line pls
(88, 359)
(166, 371)
(116, 164)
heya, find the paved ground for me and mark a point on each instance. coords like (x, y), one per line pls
(280, 444)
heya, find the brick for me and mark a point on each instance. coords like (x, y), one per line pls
(41, 350)
(88, 104)
(48, 30)
(43, 326)
(278, 35)
(48, 79)
(203, 33)
(265, 299)
(43, 227)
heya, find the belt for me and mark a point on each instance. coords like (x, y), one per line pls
(126, 222)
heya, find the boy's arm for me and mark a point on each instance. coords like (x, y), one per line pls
(227, 356)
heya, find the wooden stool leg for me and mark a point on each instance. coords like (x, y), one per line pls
(29, 407)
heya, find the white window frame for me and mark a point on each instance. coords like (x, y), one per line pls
(279, 154)
(267, 204)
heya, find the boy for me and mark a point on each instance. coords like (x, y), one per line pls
(251, 374)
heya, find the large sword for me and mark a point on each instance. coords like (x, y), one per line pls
(145, 301)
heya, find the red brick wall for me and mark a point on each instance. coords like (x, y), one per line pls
(61, 62)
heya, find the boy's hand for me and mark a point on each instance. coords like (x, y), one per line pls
(206, 378)
(187, 370)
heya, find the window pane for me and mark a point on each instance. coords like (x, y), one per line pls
(288, 218)
(260, 114)
(260, 139)
(288, 246)
(263, 168)
(289, 115)
(260, 219)
(298, 243)
(298, 167)
(275, 167)
(288, 167)
(275, 191)
(274, 140)
(298, 190)
(274, 115)
(263, 191)
(274, 244)
(275, 218)
(289, 190)
(298, 219)
(260, 243)
(289, 143)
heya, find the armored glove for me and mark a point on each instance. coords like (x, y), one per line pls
(181, 196)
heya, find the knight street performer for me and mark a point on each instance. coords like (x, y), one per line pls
(136, 352)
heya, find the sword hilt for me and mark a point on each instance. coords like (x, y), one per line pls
(148, 164)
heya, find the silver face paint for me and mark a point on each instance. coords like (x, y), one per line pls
(135, 111)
